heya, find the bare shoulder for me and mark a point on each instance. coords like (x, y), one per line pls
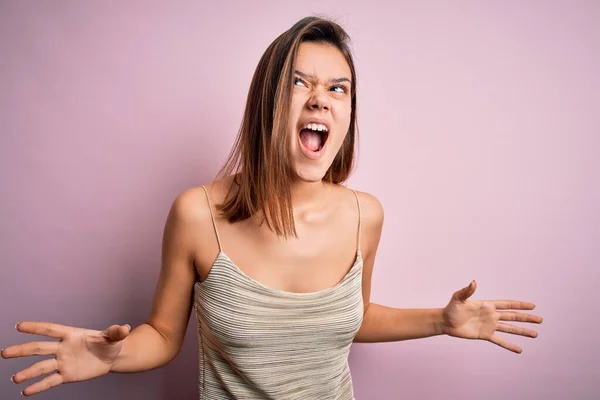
(193, 205)
(371, 213)
(371, 210)
(190, 216)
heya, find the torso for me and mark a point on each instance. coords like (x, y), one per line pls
(319, 258)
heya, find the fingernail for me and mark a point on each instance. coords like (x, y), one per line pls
(22, 393)
(12, 379)
(128, 326)
(16, 325)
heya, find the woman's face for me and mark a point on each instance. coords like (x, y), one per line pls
(320, 110)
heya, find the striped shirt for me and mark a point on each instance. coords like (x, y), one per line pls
(257, 342)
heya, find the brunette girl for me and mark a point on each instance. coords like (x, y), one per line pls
(275, 257)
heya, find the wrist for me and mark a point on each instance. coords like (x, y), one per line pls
(117, 365)
(439, 324)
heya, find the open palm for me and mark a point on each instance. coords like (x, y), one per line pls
(481, 319)
(79, 354)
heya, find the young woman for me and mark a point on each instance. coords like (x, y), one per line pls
(275, 256)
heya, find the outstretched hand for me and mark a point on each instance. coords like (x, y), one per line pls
(79, 354)
(481, 319)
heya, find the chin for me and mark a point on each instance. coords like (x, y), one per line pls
(310, 174)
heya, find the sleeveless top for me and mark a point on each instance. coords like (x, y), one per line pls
(257, 342)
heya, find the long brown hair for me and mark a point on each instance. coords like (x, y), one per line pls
(260, 155)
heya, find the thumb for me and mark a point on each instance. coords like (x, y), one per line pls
(466, 292)
(116, 333)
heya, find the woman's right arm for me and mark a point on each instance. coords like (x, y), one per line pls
(158, 341)
(82, 354)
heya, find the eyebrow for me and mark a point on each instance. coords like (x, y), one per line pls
(311, 77)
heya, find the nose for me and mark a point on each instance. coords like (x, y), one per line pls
(318, 100)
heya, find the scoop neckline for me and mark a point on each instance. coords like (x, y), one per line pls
(222, 254)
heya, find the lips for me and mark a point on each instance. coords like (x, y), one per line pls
(316, 121)
(312, 137)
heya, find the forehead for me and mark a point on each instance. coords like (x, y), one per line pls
(322, 60)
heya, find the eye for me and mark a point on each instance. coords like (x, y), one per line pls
(298, 82)
(339, 89)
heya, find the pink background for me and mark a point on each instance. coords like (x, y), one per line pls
(479, 134)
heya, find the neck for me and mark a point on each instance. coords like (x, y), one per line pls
(306, 194)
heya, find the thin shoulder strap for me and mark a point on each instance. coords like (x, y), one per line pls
(358, 205)
(213, 218)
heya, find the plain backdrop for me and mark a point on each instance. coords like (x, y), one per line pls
(479, 134)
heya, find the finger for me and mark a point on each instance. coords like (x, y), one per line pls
(45, 384)
(30, 349)
(49, 329)
(520, 317)
(516, 330)
(506, 345)
(38, 369)
(116, 333)
(513, 305)
(466, 292)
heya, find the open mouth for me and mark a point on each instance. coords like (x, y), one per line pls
(313, 136)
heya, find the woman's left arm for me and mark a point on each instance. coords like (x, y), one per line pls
(462, 317)
(387, 324)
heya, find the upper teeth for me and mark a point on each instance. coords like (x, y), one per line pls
(316, 127)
